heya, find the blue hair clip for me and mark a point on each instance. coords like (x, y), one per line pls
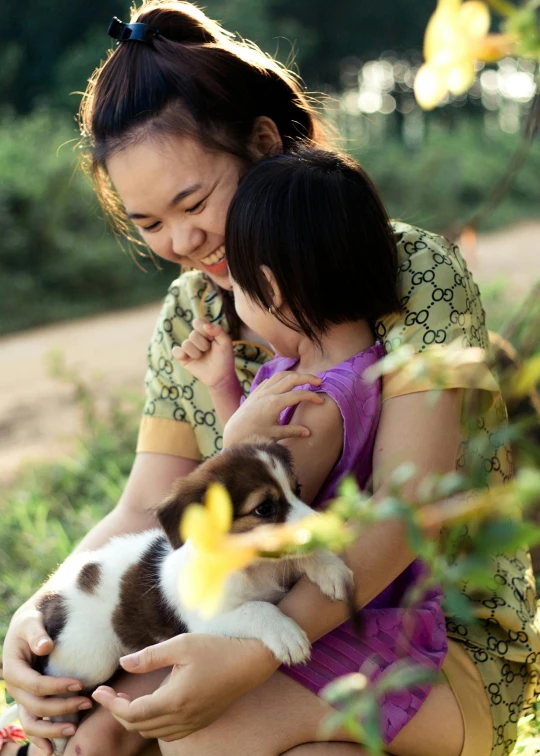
(136, 32)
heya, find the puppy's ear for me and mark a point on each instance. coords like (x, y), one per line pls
(281, 453)
(169, 514)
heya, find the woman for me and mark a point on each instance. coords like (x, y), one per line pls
(175, 116)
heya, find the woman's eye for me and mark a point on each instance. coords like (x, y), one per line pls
(196, 207)
(265, 509)
(151, 228)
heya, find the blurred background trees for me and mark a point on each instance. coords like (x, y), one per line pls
(49, 49)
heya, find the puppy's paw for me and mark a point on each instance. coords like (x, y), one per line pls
(59, 746)
(286, 640)
(330, 574)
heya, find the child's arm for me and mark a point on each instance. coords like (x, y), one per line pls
(314, 437)
(316, 456)
(209, 356)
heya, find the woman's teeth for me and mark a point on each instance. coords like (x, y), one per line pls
(215, 257)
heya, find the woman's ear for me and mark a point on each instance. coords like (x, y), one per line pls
(275, 293)
(265, 138)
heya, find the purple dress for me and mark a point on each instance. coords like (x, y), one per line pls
(385, 625)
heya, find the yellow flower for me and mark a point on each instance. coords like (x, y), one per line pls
(217, 554)
(456, 36)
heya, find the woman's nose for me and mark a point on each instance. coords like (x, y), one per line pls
(186, 241)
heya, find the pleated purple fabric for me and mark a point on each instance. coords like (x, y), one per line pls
(387, 630)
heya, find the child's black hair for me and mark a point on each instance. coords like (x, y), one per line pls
(315, 219)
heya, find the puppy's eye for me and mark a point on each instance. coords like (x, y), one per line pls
(298, 490)
(266, 508)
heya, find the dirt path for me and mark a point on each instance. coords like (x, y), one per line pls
(38, 416)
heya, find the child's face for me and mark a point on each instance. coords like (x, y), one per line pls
(282, 339)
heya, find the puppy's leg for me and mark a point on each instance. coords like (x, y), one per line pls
(329, 572)
(263, 621)
(60, 744)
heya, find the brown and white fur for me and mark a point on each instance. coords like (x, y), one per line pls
(101, 605)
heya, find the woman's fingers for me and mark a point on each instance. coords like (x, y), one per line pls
(52, 707)
(23, 679)
(168, 734)
(143, 711)
(33, 633)
(42, 730)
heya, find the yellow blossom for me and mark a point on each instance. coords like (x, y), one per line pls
(217, 554)
(456, 36)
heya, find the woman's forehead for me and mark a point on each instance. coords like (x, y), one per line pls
(157, 170)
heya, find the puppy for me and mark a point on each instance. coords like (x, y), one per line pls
(101, 605)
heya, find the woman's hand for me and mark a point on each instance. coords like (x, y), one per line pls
(210, 673)
(259, 414)
(207, 354)
(26, 636)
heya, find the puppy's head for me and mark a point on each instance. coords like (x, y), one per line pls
(259, 477)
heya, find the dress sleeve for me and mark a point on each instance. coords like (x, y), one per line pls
(165, 427)
(441, 306)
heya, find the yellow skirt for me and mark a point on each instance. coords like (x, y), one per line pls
(492, 693)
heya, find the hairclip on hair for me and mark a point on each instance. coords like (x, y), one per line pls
(126, 32)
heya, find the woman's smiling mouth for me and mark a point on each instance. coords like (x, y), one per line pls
(216, 263)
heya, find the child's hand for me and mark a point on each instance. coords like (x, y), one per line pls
(259, 414)
(207, 354)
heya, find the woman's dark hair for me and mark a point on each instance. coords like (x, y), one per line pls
(194, 79)
(315, 219)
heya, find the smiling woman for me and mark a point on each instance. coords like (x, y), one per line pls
(177, 195)
(171, 124)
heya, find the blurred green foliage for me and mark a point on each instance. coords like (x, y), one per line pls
(57, 258)
(442, 183)
(52, 506)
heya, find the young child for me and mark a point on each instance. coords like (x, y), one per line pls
(313, 265)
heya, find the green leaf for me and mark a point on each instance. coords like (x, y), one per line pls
(403, 675)
(346, 688)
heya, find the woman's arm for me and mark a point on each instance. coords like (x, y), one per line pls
(150, 480)
(317, 455)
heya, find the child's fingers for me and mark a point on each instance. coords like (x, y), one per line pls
(212, 331)
(292, 398)
(285, 381)
(291, 431)
(191, 350)
(179, 354)
(201, 342)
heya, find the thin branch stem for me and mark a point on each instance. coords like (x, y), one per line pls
(500, 190)
(502, 7)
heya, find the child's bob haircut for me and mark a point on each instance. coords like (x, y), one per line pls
(316, 220)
